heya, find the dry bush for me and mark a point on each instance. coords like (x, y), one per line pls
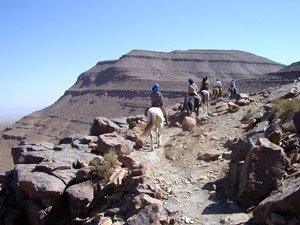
(248, 116)
(106, 167)
(286, 108)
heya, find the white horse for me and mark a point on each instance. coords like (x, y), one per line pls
(205, 95)
(155, 118)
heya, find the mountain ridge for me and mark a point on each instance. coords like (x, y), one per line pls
(118, 88)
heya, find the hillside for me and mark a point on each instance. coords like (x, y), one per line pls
(119, 88)
(238, 164)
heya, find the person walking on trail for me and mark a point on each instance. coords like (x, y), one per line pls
(205, 84)
(193, 89)
(157, 100)
(233, 89)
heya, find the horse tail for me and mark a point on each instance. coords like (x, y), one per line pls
(148, 128)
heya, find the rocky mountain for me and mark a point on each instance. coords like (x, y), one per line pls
(285, 75)
(118, 88)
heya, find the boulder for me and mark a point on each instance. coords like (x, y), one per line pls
(242, 102)
(221, 106)
(65, 159)
(142, 200)
(30, 153)
(296, 120)
(66, 176)
(149, 215)
(79, 196)
(274, 133)
(289, 126)
(242, 96)
(264, 165)
(89, 139)
(121, 145)
(232, 108)
(121, 122)
(103, 125)
(210, 155)
(188, 123)
(284, 200)
(171, 208)
(36, 193)
(243, 145)
(246, 142)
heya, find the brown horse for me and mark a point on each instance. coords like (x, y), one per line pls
(217, 93)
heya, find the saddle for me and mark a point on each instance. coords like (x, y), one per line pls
(146, 110)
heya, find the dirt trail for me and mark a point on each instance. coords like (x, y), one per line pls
(190, 182)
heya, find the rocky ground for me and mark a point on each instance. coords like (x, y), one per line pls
(192, 182)
(243, 153)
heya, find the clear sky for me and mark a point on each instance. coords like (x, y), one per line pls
(46, 44)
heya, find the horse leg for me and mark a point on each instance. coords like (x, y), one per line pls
(151, 138)
(157, 136)
(159, 133)
(196, 106)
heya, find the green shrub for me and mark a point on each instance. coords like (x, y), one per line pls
(106, 168)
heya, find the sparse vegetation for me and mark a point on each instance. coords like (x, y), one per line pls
(246, 119)
(106, 167)
(286, 108)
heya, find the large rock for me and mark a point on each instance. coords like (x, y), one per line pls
(246, 142)
(63, 160)
(103, 125)
(36, 193)
(285, 201)
(188, 123)
(79, 196)
(221, 106)
(274, 133)
(210, 155)
(264, 165)
(296, 119)
(115, 141)
(242, 96)
(22, 154)
(289, 126)
(149, 215)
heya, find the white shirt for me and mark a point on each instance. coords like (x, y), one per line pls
(217, 84)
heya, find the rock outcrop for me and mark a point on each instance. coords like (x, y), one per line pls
(75, 183)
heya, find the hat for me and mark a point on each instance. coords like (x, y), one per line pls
(217, 79)
(204, 77)
(191, 81)
(155, 87)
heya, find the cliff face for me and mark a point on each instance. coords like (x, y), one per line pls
(121, 88)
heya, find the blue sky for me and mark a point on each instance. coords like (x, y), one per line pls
(46, 44)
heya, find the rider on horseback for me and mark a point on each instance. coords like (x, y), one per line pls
(219, 85)
(205, 84)
(157, 100)
(233, 84)
(193, 89)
